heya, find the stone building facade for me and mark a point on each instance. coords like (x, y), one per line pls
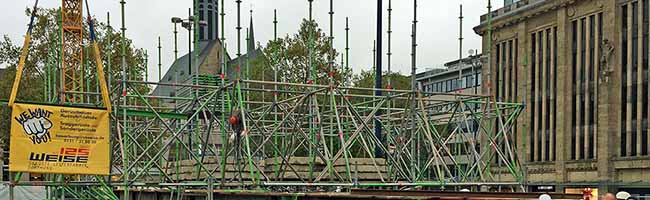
(581, 68)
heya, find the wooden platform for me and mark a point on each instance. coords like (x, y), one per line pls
(363, 169)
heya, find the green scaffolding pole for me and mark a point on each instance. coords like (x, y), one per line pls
(276, 166)
(225, 97)
(312, 75)
(125, 152)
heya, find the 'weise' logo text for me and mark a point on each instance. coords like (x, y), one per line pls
(65, 155)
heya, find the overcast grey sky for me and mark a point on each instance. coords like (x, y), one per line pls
(148, 19)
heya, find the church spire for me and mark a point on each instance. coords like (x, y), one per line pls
(251, 35)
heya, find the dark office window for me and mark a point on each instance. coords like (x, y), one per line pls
(533, 55)
(644, 96)
(554, 102)
(497, 81)
(581, 87)
(547, 92)
(591, 86)
(515, 85)
(574, 87)
(506, 54)
(510, 70)
(633, 90)
(540, 87)
(624, 54)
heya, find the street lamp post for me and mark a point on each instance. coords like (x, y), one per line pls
(189, 25)
(175, 21)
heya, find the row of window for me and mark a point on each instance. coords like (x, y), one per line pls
(634, 138)
(505, 86)
(586, 46)
(585, 41)
(451, 85)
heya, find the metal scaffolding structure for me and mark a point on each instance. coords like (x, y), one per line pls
(269, 145)
(218, 132)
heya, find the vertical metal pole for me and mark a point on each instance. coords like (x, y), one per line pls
(332, 57)
(389, 85)
(175, 41)
(125, 161)
(189, 68)
(239, 72)
(374, 58)
(210, 189)
(238, 85)
(460, 46)
(331, 41)
(390, 41)
(378, 72)
(224, 96)
(159, 60)
(175, 74)
(489, 47)
(311, 56)
(110, 77)
(489, 68)
(347, 45)
(11, 192)
(460, 84)
(276, 167)
(413, 88)
(195, 56)
(146, 66)
(311, 79)
(189, 41)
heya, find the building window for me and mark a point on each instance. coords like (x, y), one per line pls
(202, 28)
(443, 87)
(542, 97)
(644, 77)
(624, 62)
(533, 109)
(505, 80)
(211, 25)
(585, 40)
(634, 75)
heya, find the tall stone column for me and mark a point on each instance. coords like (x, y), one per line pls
(564, 74)
(523, 74)
(608, 98)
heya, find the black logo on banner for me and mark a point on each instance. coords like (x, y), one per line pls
(36, 124)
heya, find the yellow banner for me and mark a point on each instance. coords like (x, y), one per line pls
(60, 140)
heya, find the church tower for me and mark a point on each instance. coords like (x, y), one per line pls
(208, 12)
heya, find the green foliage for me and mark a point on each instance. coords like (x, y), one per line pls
(290, 56)
(366, 79)
(44, 52)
